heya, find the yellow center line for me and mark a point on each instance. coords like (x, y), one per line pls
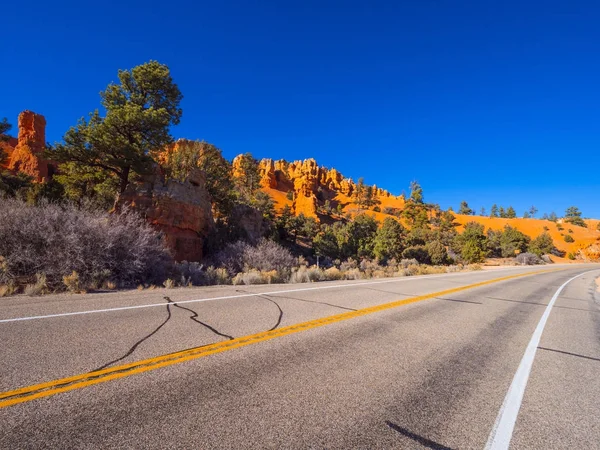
(36, 391)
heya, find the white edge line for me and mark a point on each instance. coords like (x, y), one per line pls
(153, 305)
(502, 430)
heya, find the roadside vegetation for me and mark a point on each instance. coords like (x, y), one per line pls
(65, 234)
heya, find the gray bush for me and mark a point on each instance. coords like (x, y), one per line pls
(265, 256)
(57, 240)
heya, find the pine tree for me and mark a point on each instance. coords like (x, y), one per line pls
(464, 209)
(416, 192)
(573, 215)
(511, 213)
(533, 211)
(139, 113)
(494, 211)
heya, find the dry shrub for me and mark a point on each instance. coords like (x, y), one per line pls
(249, 278)
(353, 274)
(264, 257)
(332, 274)
(406, 263)
(411, 270)
(300, 275)
(218, 275)
(7, 289)
(474, 267)
(315, 274)
(369, 267)
(58, 239)
(169, 283)
(349, 264)
(454, 268)
(72, 282)
(431, 270)
(39, 287)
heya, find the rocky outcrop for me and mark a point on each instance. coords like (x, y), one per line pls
(27, 155)
(589, 253)
(310, 183)
(181, 210)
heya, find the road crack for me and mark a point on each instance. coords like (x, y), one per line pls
(138, 343)
(194, 317)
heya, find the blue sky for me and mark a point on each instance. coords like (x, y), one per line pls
(487, 101)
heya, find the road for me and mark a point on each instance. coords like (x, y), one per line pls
(416, 362)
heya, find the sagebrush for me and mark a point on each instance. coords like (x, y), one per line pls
(57, 240)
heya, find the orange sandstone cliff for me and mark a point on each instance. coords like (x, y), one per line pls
(305, 186)
(181, 210)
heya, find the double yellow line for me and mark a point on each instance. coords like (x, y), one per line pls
(36, 391)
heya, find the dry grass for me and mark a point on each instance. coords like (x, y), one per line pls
(40, 286)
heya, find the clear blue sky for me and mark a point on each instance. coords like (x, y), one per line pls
(487, 101)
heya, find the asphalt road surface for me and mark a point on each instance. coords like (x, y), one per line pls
(463, 360)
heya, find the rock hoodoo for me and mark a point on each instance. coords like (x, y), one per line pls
(310, 183)
(27, 154)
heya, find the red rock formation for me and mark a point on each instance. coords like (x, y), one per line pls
(181, 210)
(27, 156)
(309, 182)
(7, 148)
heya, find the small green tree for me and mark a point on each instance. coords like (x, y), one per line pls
(542, 244)
(360, 193)
(81, 182)
(4, 129)
(464, 209)
(512, 241)
(511, 213)
(471, 244)
(415, 211)
(437, 253)
(371, 199)
(361, 233)
(502, 213)
(418, 252)
(265, 204)
(472, 253)
(139, 112)
(493, 247)
(284, 223)
(247, 178)
(569, 238)
(573, 215)
(482, 211)
(325, 243)
(389, 240)
(553, 217)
